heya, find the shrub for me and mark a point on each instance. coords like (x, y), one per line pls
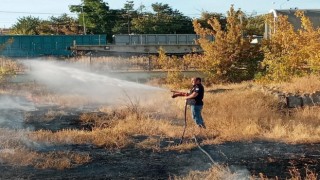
(230, 57)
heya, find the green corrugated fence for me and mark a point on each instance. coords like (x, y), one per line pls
(45, 45)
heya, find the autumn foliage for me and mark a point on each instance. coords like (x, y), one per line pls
(230, 57)
(289, 52)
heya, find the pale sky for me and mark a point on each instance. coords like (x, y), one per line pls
(11, 10)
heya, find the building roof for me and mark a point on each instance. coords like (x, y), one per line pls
(312, 14)
(4, 31)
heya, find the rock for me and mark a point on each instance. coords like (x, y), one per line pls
(294, 101)
(307, 100)
(316, 98)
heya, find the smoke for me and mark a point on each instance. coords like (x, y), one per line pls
(12, 110)
(238, 173)
(67, 79)
(12, 126)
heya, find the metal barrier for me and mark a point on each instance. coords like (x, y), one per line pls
(45, 45)
(156, 39)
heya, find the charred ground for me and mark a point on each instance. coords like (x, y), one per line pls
(273, 159)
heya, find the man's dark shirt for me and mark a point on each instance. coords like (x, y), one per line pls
(198, 88)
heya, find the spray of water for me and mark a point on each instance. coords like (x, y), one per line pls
(64, 78)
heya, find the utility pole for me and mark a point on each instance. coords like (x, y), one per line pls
(128, 6)
(83, 21)
(128, 22)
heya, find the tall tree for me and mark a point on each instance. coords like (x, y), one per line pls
(164, 20)
(26, 25)
(255, 25)
(123, 24)
(96, 16)
(230, 57)
(205, 16)
(60, 25)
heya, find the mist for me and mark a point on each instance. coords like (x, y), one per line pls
(12, 123)
(12, 110)
(67, 79)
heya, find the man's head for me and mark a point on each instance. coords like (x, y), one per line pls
(196, 80)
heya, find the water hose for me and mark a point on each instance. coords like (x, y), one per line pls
(205, 152)
(176, 94)
(185, 122)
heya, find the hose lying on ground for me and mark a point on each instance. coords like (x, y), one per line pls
(205, 152)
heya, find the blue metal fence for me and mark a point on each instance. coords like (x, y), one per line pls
(45, 45)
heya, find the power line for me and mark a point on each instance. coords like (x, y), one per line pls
(22, 12)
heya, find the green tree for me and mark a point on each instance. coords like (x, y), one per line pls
(26, 25)
(255, 25)
(123, 24)
(164, 20)
(205, 16)
(96, 16)
(65, 25)
(230, 57)
(62, 25)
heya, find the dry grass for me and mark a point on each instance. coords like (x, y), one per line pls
(245, 113)
(117, 136)
(240, 114)
(52, 160)
(114, 63)
(61, 160)
(51, 114)
(233, 113)
(308, 174)
(9, 67)
(307, 84)
(216, 172)
(17, 150)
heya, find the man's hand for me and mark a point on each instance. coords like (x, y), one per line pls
(177, 94)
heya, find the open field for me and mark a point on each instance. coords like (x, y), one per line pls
(70, 123)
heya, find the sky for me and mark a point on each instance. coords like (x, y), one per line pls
(11, 10)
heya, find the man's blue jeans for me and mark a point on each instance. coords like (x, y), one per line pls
(196, 114)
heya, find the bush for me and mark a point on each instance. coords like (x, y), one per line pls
(230, 57)
(290, 53)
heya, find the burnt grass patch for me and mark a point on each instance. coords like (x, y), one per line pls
(55, 119)
(271, 159)
(38, 120)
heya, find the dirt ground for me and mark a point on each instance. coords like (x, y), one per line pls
(273, 159)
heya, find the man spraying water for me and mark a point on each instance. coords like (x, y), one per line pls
(194, 99)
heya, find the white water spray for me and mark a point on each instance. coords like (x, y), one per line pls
(66, 79)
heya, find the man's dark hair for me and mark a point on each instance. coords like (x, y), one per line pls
(198, 79)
